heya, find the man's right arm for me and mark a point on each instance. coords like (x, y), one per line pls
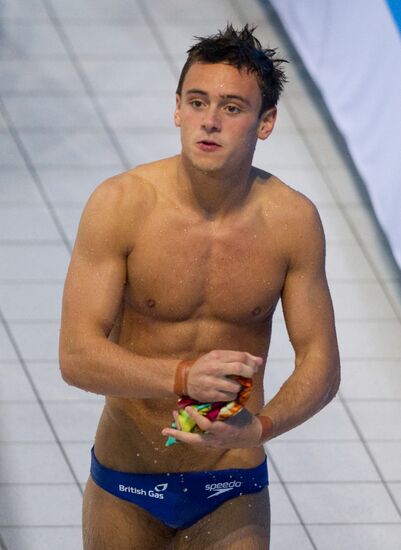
(93, 293)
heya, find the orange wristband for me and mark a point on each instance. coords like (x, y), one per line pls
(181, 376)
(267, 427)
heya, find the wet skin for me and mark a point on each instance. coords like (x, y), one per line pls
(205, 245)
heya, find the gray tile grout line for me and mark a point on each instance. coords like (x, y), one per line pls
(374, 269)
(58, 26)
(38, 397)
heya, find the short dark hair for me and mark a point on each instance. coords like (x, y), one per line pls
(241, 49)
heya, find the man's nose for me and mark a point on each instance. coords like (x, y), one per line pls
(211, 122)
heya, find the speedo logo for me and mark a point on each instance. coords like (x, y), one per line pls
(220, 488)
(153, 493)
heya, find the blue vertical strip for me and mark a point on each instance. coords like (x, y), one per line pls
(395, 8)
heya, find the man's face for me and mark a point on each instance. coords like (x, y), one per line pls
(218, 113)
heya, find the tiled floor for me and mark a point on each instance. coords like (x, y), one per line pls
(87, 90)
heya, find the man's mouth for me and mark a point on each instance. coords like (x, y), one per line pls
(208, 145)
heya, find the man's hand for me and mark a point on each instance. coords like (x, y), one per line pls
(241, 431)
(209, 377)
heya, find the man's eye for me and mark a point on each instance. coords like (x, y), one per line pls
(232, 109)
(196, 103)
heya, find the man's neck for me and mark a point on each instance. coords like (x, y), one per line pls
(212, 194)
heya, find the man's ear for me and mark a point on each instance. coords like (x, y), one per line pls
(267, 122)
(177, 117)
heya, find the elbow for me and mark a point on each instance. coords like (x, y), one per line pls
(334, 384)
(69, 367)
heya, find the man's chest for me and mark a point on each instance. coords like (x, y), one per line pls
(230, 271)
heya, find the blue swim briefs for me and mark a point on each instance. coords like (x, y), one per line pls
(180, 499)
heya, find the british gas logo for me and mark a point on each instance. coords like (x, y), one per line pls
(220, 488)
(156, 492)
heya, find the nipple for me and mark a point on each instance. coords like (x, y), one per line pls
(150, 302)
(256, 311)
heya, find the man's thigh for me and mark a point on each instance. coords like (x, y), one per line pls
(242, 523)
(109, 522)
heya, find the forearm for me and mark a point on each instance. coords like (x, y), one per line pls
(305, 393)
(106, 368)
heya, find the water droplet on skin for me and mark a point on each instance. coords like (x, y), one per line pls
(249, 505)
(208, 532)
(155, 461)
(137, 454)
(186, 537)
(185, 489)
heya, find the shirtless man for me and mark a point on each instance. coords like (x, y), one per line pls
(186, 258)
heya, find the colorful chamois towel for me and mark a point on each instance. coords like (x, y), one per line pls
(219, 410)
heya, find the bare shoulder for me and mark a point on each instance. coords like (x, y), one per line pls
(290, 206)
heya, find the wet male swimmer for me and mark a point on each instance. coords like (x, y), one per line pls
(176, 271)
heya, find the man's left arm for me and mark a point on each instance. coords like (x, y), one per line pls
(309, 318)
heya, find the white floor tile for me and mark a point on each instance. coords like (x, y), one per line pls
(38, 340)
(378, 419)
(23, 10)
(369, 339)
(332, 423)
(18, 387)
(360, 300)
(7, 351)
(179, 12)
(24, 222)
(344, 186)
(10, 154)
(102, 40)
(51, 386)
(75, 422)
(139, 148)
(347, 261)
(31, 40)
(373, 241)
(42, 538)
(395, 489)
(387, 455)
(128, 111)
(393, 289)
(322, 461)
(47, 111)
(33, 262)
(306, 114)
(99, 10)
(356, 537)
(343, 503)
(308, 181)
(54, 505)
(324, 148)
(282, 510)
(23, 422)
(31, 301)
(80, 458)
(67, 148)
(18, 187)
(73, 186)
(69, 217)
(130, 75)
(283, 537)
(335, 225)
(282, 149)
(39, 75)
(376, 379)
(46, 464)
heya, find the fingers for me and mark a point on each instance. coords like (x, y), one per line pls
(239, 363)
